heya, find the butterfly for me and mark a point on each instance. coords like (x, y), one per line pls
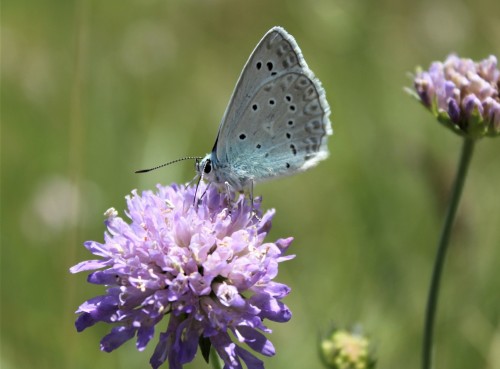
(276, 123)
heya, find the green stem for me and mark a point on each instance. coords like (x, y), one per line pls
(215, 359)
(432, 300)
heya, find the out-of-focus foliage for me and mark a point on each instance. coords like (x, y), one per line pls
(92, 90)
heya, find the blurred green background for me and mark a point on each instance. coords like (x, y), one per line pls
(92, 90)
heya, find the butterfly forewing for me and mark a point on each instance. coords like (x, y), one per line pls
(277, 120)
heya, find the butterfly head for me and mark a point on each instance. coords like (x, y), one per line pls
(205, 168)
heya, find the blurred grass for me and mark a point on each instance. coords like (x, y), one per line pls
(93, 90)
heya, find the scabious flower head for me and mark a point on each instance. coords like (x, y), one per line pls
(205, 266)
(462, 94)
(343, 349)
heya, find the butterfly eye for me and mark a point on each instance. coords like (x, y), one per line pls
(208, 167)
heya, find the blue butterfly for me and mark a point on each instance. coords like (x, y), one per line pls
(276, 123)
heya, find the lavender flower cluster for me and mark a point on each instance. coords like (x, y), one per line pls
(462, 94)
(206, 267)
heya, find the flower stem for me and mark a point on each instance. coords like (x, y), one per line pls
(432, 299)
(215, 359)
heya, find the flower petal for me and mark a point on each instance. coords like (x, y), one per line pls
(117, 337)
(257, 341)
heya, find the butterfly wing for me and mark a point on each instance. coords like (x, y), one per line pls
(277, 120)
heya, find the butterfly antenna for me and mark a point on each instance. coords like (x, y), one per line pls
(170, 162)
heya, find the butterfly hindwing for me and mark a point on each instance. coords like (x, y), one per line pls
(287, 133)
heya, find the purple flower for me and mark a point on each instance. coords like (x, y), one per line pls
(462, 94)
(206, 267)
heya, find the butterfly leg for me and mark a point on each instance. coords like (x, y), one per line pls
(195, 200)
(251, 201)
(229, 192)
(251, 196)
(198, 201)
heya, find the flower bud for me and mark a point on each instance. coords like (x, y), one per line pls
(462, 94)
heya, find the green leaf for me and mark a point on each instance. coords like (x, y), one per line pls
(205, 346)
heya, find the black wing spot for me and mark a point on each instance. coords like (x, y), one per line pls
(292, 107)
(258, 146)
(287, 165)
(255, 107)
(294, 149)
(290, 123)
(270, 66)
(243, 136)
(258, 65)
(288, 135)
(273, 73)
(288, 98)
(271, 102)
